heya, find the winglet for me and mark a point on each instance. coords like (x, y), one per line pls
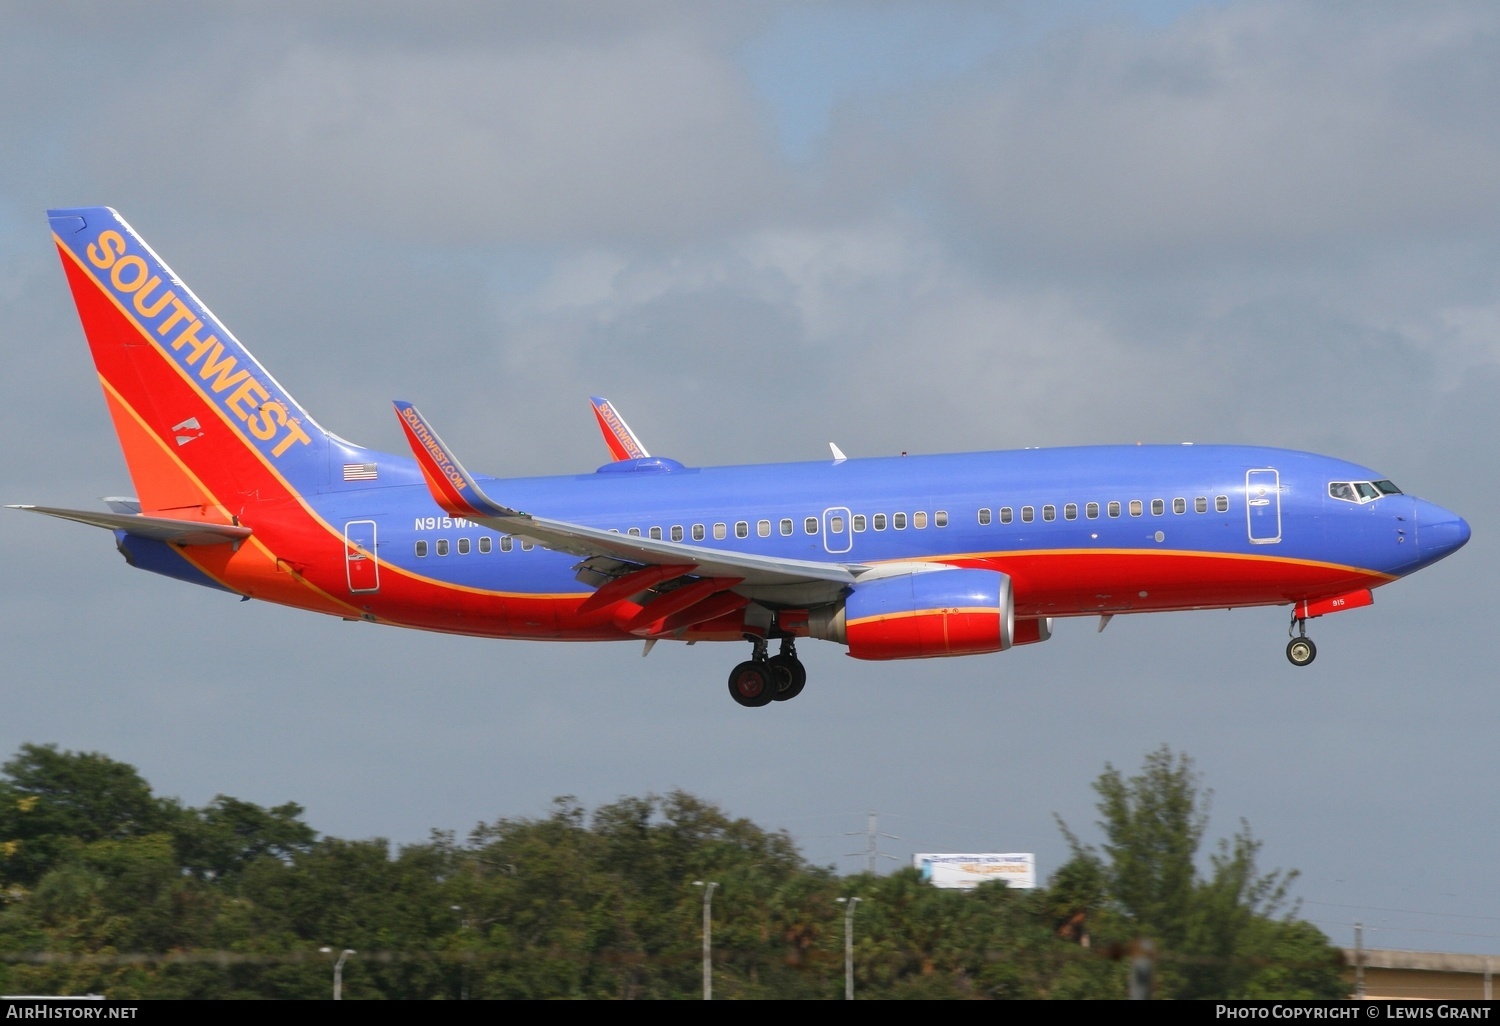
(451, 485)
(622, 442)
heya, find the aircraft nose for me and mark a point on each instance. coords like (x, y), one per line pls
(1441, 532)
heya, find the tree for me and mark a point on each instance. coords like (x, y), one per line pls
(602, 904)
(228, 834)
(52, 802)
(1221, 935)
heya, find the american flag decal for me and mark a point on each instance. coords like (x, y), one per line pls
(359, 472)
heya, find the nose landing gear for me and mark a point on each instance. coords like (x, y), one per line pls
(760, 680)
(1300, 650)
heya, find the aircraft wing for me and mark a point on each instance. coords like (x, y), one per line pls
(179, 532)
(456, 491)
(622, 442)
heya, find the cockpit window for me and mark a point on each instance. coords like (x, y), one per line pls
(1360, 491)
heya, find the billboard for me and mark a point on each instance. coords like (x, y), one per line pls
(1017, 869)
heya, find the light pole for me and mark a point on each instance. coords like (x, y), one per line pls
(708, 935)
(338, 971)
(463, 970)
(849, 904)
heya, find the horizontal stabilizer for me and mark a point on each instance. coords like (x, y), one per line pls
(178, 532)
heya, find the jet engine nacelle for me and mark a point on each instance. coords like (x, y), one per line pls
(1030, 632)
(920, 615)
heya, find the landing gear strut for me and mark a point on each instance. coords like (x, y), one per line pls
(760, 680)
(790, 674)
(1300, 650)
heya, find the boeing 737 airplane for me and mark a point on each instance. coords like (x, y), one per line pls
(237, 488)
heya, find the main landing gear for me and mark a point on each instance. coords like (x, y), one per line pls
(1300, 650)
(760, 680)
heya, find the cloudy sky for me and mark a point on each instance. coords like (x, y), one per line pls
(758, 227)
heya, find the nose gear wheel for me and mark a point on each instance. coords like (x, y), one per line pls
(1300, 650)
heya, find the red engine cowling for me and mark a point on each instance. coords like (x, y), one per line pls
(922, 615)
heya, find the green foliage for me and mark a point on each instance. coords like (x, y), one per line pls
(1219, 935)
(223, 838)
(108, 889)
(52, 803)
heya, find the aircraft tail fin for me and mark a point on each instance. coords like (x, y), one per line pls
(201, 422)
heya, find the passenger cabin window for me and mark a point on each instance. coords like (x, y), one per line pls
(526, 546)
(507, 543)
(486, 543)
(879, 521)
(898, 521)
(919, 520)
(1200, 504)
(859, 522)
(655, 532)
(697, 532)
(786, 525)
(1221, 503)
(1136, 509)
(421, 548)
(1179, 505)
(442, 546)
(984, 518)
(463, 546)
(1114, 509)
(1070, 511)
(720, 530)
(1006, 516)
(1049, 513)
(1091, 511)
(742, 529)
(810, 525)
(677, 532)
(634, 532)
(763, 528)
(836, 524)
(1027, 514)
(940, 518)
(1158, 507)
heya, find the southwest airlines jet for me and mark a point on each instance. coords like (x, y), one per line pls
(238, 488)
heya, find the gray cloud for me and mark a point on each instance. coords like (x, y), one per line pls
(1260, 223)
(1257, 128)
